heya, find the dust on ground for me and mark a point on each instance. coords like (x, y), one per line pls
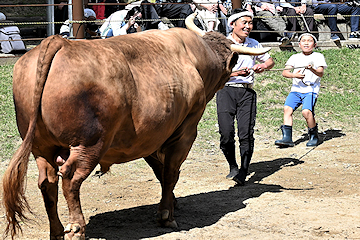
(292, 193)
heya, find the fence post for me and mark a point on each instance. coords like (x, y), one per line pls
(236, 4)
(50, 18)
(78, 15)
(70, 16)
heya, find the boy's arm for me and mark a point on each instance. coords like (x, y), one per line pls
(318, 72)
(296, 74)
(288, 74)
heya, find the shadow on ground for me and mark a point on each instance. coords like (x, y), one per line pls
(195, 211)
(323, 136)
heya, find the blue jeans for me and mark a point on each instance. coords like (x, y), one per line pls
(333, 9)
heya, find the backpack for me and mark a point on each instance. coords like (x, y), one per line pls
(8, 34)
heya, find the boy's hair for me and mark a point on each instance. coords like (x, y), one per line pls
(308, 34)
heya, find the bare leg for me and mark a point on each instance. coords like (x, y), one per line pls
(309, 117)
(288, 119)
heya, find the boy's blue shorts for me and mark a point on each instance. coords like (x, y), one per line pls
(295, 99)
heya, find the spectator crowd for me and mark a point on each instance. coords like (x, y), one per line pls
(278, 20)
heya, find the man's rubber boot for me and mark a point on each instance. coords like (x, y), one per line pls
(241, 176)
(229, 152)
(314, 137)
(286, 141)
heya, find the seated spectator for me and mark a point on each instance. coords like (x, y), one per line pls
(122, 22)
(99, 9)
(326, 7)
(178, 11)
(293, 8)
(60, 13)
(90, 28)
(110, 9)
(269, 16)
(210, 11)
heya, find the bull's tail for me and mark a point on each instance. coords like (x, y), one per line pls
(14, 199)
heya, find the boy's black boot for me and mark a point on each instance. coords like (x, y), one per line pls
(286, 141)
(314, 137)
(229, 152)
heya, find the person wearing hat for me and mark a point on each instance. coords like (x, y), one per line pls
(305, 69)
(120, 22)
(2, 17)
(90, 28)
(268, 13)
(238, 98)
(124, 21)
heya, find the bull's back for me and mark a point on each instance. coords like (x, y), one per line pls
(133, 91)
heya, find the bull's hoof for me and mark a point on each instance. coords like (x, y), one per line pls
(164, 221)
(72, 232)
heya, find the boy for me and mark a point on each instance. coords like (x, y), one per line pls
(308, 68)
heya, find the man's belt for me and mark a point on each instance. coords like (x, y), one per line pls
(242, 85)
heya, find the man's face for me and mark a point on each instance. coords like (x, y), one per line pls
(307, 44)
(242, 26)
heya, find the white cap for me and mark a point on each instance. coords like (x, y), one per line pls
(2, 16)
(89, 13)
(132, 5)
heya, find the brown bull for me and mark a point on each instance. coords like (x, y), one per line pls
(83, 103)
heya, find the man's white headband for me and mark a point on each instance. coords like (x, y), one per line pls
(236, 16)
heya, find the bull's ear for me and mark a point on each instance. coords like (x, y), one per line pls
(231, 61)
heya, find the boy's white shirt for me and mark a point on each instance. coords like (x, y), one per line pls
(301, 60)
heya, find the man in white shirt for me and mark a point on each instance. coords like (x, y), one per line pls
(238, 99)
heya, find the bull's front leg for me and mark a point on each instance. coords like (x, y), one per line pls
(174, 154)
(48, 184)
(165, 215)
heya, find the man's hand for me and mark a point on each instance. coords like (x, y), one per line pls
(210, 7)
(241, 72)
(265, 7)
(223, 9)
(259, 68)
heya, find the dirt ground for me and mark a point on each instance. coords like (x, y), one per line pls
(294, 193)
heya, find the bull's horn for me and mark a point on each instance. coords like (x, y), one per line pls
(249, 50)
(189, 22)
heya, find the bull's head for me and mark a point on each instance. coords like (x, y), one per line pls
(189, 21)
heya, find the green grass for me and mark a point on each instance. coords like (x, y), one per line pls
(9, 137)
(337, 106)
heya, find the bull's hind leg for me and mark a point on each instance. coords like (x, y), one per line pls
(173, 153)
(48, 184)
(75, 170)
